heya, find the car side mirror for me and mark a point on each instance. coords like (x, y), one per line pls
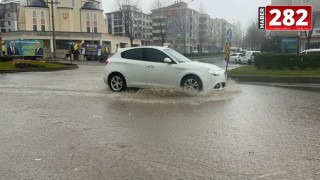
(167, 60)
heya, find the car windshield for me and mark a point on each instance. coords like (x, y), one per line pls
(177, 56)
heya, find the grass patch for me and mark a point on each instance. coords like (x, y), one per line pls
(14, 65)
(7, 66)
(253, 71)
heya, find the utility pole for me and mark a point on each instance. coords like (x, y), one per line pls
(53, 27)
(53, 31)
(0, 45)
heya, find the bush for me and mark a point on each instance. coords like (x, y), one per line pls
(6, 59)
(286, 61)
(200, 54)
(28, 66)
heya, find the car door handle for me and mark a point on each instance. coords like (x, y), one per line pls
(150, 66)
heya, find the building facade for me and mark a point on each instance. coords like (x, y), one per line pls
(140, 23)
(9, 14)
(296, 41)
(73, 22)
(181, 26)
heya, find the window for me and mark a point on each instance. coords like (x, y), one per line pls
(154, 55)
(34, 20)
(72, 3)
(43, 22)
(9, 23)
(134, 54)
(62, 44)
(95, 23)
(8, 14)
(88, 22)
(305, 1)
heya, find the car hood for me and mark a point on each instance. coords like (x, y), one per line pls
(203, 65)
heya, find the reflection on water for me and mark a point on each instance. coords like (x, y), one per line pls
(178, 96)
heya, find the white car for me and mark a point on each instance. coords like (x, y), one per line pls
(160, 67)
(235, 58)
(311, 51)
(248, 57)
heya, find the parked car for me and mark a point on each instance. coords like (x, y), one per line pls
(248, 57)
(160, 67)
(235, 57)
(194, 51)
(311, 51)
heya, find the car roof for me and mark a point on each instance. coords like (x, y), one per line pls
(153, 47)
(311, 50)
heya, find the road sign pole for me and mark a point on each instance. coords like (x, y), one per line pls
(227, 56)
(228, 48)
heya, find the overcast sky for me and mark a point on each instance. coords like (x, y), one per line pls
(244, 11)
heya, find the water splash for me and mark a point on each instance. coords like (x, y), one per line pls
(160, 95)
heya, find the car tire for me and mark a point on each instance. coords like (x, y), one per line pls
(191, 83)
(117, 82)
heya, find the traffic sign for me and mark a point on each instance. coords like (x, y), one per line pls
(228, 50)
(229, 35)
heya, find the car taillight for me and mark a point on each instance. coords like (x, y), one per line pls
(107, 61)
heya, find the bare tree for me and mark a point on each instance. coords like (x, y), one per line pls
(308, 34)
(181, 29)
(128, 10)
(254, 36)
(159, 17)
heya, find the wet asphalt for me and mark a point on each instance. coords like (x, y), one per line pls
(69, 125)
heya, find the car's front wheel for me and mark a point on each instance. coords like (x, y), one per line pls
(191, 83)
(117, 82)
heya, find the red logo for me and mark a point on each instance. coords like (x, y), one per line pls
(288, 18)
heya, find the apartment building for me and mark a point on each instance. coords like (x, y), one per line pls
(180, 24)
(78, 21)
(139, 22)
(296, 41)
(9, 13)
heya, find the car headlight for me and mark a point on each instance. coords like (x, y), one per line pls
(212, 72)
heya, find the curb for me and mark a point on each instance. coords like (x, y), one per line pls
(305, 80)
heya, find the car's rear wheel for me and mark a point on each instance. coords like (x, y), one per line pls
(117, 82)
(191, 83)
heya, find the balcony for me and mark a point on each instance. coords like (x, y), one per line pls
(316, 32)
(48, 34)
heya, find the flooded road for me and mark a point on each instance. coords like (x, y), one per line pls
(68, 125)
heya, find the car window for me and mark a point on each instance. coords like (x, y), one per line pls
(233, 55)
(154, 55)
(134, 54)
(177, 56)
